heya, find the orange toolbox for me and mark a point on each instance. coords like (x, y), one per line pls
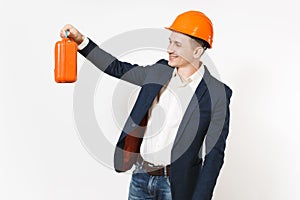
(65, 61)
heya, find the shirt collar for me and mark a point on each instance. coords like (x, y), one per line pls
(195, 76)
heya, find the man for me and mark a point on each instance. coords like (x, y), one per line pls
(181, 113)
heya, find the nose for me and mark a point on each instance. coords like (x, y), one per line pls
(170, 49)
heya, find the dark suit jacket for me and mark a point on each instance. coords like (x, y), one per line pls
(207, 116)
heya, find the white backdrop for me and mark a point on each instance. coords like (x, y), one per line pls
(255, 49)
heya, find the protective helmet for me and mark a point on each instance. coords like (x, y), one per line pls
(194, 23)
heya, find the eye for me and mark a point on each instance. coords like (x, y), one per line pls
(178, 44)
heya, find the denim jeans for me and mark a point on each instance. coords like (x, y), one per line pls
(144, 186)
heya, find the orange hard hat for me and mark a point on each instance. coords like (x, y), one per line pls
(194, 23)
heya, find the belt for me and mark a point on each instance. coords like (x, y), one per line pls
(154, 170)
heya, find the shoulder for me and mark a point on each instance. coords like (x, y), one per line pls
(161, 66)
(217, 88)
(220, 84)
(162, 61)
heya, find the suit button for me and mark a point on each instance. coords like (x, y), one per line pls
(133, 125)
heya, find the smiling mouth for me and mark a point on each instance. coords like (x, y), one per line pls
(172, 57)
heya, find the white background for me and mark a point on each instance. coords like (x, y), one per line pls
(255, 49)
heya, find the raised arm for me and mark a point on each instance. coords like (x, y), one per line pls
(104, 61)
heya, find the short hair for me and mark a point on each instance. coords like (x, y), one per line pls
(203, 43)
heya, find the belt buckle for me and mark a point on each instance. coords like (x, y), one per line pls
(155, 167)
(164, 167)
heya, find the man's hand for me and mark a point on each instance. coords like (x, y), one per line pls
(73, 34)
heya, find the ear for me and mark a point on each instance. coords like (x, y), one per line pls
(198, 51)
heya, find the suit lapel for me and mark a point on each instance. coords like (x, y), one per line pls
(194, 104)
(155, 80)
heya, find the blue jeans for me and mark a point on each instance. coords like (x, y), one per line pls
(144, 186)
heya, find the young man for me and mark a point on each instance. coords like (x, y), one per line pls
(166, 147)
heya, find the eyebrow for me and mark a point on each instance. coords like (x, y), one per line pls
(177, 42)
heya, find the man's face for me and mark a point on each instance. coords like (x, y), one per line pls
(180, 50)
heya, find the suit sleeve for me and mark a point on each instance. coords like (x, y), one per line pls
(215, 144)
(112, 66)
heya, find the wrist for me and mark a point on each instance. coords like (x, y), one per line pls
(80, 39)
(83, 44)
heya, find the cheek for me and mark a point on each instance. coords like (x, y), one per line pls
(181, 53)
(185, 52)
(188, 56)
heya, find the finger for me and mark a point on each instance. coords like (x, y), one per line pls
(72, 32)
(67, 28)
(62, 33)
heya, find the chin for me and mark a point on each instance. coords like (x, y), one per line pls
(172, 64)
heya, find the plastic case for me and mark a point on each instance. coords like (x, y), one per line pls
(65, 61)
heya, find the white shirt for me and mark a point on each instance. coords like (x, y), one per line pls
(165, 115)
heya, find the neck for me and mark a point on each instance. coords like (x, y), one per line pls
(188, 70)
